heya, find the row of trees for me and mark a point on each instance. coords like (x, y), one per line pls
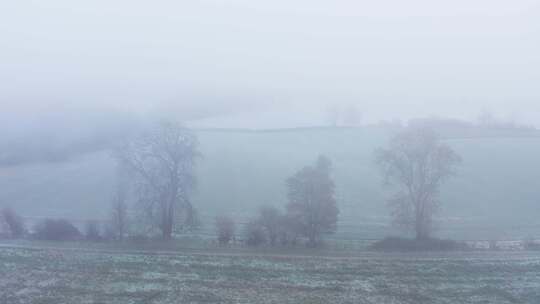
(414, 166)
(12, 226)
(155, 172)
(156, 169)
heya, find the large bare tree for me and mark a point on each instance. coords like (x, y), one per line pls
(312, 204)
(163, 160)
(417, 162)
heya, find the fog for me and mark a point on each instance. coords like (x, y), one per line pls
(269, 152)
(280, 64)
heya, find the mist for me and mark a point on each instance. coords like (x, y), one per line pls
(241, 151)
(210, 58)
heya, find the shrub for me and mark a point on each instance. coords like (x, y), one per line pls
(225, 229)
(403, 244)
(273, 228)
(56, 230)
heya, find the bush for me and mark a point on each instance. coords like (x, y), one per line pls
(225, 228)
(272, 227)
(254, 234)
(56, 230)
(403, 244)
(13, 223)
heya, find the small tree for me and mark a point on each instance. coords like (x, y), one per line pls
(312, 204)
(417, 163)
(225, 229)
(13, 222)
(270, 219)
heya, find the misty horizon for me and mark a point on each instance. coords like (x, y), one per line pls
(279, 62)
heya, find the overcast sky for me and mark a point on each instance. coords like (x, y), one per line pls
(242, 58)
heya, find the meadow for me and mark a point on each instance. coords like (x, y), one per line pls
(81, 275)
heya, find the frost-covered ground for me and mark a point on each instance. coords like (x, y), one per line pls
(80, 276)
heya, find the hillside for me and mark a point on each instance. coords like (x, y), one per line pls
(495, 195)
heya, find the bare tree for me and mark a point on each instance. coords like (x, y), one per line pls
(270, 219)
(163, 161)
(417, 163)
(312, 203)
(225, 229)
(119, 206)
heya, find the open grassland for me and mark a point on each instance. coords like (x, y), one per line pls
(84, 276)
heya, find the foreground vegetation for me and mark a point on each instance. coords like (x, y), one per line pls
(83, 276)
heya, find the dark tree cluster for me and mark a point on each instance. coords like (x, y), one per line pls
(56, 230)
(310, 213)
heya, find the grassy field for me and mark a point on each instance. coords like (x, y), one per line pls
(56, 276)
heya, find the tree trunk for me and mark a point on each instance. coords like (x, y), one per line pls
(421, 227)
(166, 223)
(422, 232)
(167, 232)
